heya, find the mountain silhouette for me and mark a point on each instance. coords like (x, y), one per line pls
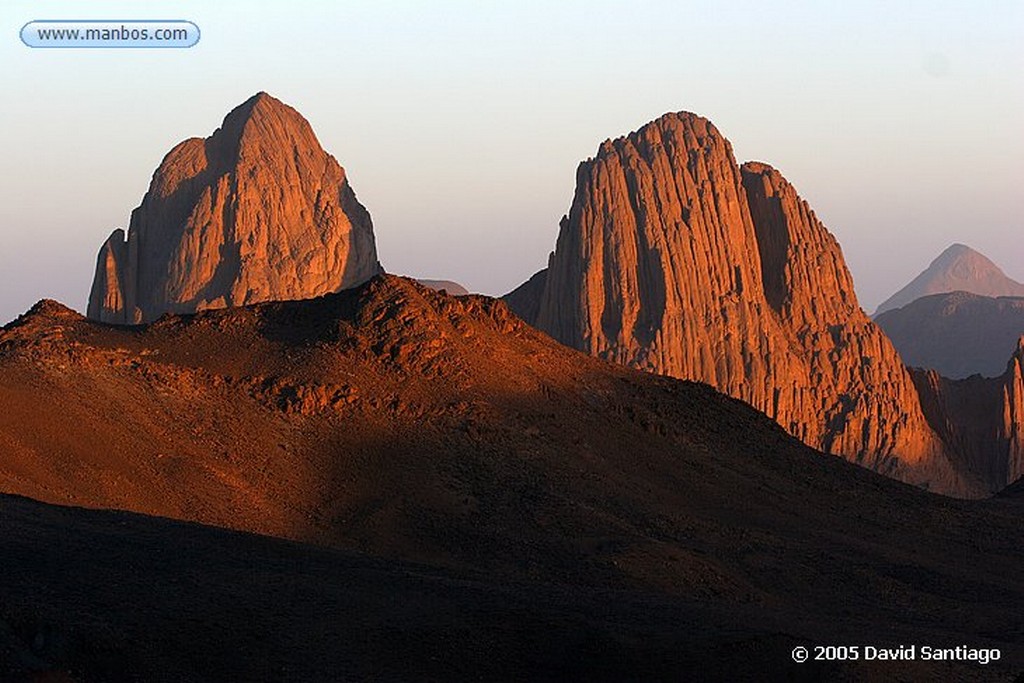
(957, 269)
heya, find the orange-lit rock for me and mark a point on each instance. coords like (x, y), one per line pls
(256, 212)
(675, 260)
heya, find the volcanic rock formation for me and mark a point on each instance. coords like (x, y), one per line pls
(957, 334)
(958, 269)
(675, 260)
(982, 418)
(256, 212)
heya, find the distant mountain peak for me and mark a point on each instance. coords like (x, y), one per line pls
(450, 286)
(957, 268)
(959, 255)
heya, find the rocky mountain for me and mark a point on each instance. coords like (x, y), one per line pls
(255, 212)
(465, 498)
(958, 334)
(524, 300)
(958, 269)
(453, 288)
(675, 260)
(981, 417)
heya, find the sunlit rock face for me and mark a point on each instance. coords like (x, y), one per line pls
(676, 260)
(256, 212)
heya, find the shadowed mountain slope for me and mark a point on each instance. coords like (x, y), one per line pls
(957, 334)
(642, 523)
(101, 596)
(982, 417)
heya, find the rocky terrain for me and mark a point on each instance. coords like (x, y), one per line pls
(983, 418)
(255, 212)
(956, 334)
(957, 269)
(260, 458)
(965, 345)
(675, 260)
(465, 498)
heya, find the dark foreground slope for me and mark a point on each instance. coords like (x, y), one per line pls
(111, 596)
(464, 497)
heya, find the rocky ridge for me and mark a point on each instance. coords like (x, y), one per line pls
(397, 434)
(958, 334)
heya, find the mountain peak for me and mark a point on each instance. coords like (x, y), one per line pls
(258, 127)
(678, 130)
(957, 252)
(674, 260)
(957, 268)
(43, 323)
(256, 212)
(262, 105)
(266, 98)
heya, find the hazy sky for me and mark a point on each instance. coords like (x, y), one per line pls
(461, 123)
